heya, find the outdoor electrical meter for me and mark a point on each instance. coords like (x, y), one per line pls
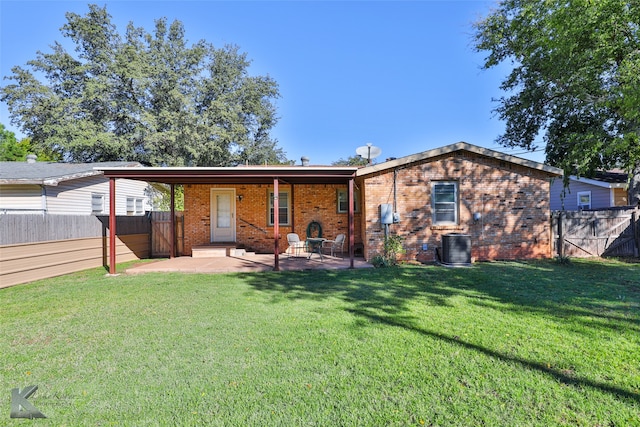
(386, 213)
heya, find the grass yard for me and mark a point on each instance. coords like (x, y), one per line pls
(499, 344)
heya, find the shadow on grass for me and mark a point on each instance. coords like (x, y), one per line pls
(543, 287)
(581, 293)
(559, 376)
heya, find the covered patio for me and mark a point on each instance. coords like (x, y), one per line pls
(242, 175)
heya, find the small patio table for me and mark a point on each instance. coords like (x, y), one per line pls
(315, 246)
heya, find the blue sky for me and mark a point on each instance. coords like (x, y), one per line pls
(400, 75)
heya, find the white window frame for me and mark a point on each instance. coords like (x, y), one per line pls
(578, 199)
(438, 206)
(97, 199)
(131, 206)
(134, 206)
(341, 202)
(270, 204)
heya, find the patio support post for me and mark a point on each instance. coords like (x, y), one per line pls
(276, 225)
(351, 228)
(172, 233)
(112, 226)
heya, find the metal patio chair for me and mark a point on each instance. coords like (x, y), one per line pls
(296, 246)
(335, 245)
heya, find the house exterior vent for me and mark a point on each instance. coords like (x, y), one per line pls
(304, 160)
(31, 158)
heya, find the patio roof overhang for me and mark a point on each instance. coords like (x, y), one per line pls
(235, 175)
(230, 175)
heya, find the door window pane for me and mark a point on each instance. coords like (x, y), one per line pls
(223, 211)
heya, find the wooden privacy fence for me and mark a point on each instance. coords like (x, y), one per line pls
(34, 247)
(33, 228)
(611, 232)
(161, 233)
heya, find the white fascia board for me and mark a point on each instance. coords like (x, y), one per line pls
(597, 183)
(459, 146)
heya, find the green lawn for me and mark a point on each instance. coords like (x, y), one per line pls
(499, 344)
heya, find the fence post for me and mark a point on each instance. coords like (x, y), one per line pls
(560, 236)
(636, 234)
(553, 219)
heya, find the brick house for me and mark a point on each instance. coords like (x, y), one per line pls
(508, 197)
(500, 201)
(252, 207)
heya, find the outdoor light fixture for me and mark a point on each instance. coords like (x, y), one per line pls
(477, 216)
(240, 197)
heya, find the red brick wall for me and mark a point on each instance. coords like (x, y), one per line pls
(309, 203)
(512, 199)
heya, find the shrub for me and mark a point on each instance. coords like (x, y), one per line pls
(392, 248)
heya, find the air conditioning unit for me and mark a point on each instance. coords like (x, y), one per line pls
(456, 249)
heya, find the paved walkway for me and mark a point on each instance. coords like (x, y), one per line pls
(262, 262)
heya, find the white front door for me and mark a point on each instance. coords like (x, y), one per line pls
(223, 215)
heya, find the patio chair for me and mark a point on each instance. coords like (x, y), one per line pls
(335, 245)
(296, 246)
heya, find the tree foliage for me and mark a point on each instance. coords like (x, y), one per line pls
(161, 197)
(12, 150)
(575, 79)
(148, 97)
(351, 161)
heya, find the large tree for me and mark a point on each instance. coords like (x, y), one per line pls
(575, 80)
(147, 97)
(12, 150)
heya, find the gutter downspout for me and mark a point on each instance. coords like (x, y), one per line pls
(43, 198)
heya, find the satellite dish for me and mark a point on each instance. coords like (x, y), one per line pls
(368, 152)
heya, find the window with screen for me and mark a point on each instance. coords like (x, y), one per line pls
(343, 203)
(445, 202)
(284, 208)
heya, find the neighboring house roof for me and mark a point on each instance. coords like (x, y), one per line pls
(50, 173)
(613, 176)
(605, 179)
(459, 146)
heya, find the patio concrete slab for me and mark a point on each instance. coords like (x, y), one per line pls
(249, 263)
